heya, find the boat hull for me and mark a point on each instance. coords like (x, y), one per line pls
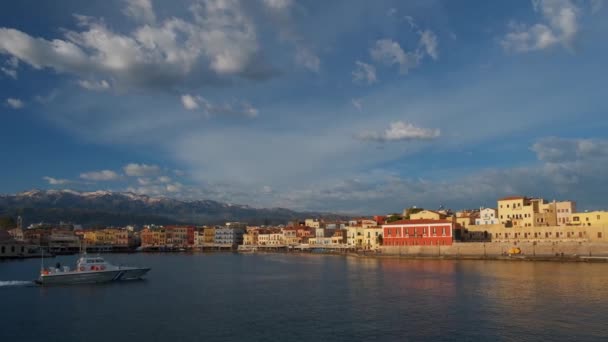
(129, 273)
(78, 277)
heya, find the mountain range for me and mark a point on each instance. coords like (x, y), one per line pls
(104, 208)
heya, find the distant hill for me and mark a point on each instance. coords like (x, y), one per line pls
(123, 208)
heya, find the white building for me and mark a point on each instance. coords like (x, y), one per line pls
(487, 216)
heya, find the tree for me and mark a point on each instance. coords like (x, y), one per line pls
(7, 222)
(393, 218)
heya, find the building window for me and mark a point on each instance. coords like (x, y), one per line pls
(598, 217)
(599, 235)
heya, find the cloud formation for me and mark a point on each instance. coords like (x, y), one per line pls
(14, 103)
(389, 52)
(56, 181)
(191, 102)
(103, 176)
(141, 170)
(364, 73)
(94, 85)
(400, 131)
(559, 26)
(140, 10)
(221, 42)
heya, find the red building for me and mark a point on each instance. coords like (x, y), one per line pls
(418, 233)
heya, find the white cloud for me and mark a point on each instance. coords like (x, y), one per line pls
(140, 10)
(391, 12)
(143, 181)
(389, 52)
(364, 73)
(560, 25)
(175, 187)
(400, 131)
(428, 40)
(576, 173)
(278, 4)
(12, 73)
(55, 181)
(164, 179)
(357, 103)
(189, 102)
(220, 42)
(10, 68)
(307, 59)
(103, 175)
(192, 102)
(141, 170)
(14, 103)
(94, 85)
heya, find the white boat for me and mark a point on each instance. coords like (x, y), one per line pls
(89, 269)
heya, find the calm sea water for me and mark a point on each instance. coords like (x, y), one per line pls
(280, 297)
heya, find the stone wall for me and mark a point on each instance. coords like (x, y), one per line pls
(498, 233)
(496, 249)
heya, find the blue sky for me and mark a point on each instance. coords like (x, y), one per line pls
(352, 106)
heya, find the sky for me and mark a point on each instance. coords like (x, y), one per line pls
(349, 106)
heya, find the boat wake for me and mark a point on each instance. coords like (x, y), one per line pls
(7, 283)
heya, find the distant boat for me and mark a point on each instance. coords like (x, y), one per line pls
(90, 269)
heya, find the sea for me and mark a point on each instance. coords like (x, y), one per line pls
(309, 297)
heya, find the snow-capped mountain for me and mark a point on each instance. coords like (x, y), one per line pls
(118, 208)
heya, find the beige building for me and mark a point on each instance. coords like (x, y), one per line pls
(290, 236)
(498, 233)
(427, 215)
(591, 218)
(313, 223)
(564, 210)
(519, 211)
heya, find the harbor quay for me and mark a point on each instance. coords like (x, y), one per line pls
(519, 227)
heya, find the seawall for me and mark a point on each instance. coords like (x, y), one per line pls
(500, 249)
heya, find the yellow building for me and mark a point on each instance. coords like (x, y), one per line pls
(427, 215)
(372, 238)
(313, 223)
(591, 218)
(208, 235)
(354, 236)
(519, 211)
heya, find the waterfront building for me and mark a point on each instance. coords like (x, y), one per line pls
(418, 232)
(290, 236)
(208, 235)
(17, 234)
(487, 216)
(312, 223)
(519, 211)
(11, 248)
(564, 210)
(372, 238)
(428, 215)
(180, 236)
(591, 218)
(153, 237)
(229, 236)
(355, 236)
